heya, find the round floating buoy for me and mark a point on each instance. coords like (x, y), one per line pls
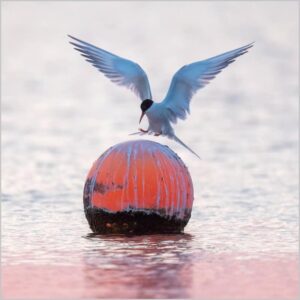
(138, 187)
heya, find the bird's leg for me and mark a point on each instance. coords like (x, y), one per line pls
(142, 130)
(157, 133)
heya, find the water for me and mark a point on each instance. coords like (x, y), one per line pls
(59, 115)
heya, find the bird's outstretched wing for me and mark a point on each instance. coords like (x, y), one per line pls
(187, 80)
(119, 70)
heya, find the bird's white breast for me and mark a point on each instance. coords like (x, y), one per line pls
(158, 122)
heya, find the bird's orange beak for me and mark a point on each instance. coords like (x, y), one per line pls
(143, 113)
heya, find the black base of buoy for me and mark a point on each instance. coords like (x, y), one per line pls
(134, 222)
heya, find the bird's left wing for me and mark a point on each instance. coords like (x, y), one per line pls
(119, 70)
(190, 78)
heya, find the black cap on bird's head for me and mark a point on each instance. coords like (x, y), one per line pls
(145, 105)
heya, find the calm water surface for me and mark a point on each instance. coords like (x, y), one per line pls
(59, 115)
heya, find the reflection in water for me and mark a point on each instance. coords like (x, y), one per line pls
(154, 266)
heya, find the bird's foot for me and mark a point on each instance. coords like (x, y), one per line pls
(142, 130)
(157, 133)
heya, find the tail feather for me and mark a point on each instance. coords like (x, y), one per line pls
(175, 138)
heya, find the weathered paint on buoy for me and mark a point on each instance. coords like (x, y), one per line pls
(138, 187)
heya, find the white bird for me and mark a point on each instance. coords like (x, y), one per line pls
(185, 83)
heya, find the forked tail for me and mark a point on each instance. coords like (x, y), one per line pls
(175, 138)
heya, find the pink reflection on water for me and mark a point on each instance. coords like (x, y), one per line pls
(208, 277)
(255, 278)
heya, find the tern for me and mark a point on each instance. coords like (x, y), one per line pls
(185, 83)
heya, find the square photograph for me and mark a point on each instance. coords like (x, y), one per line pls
(149, 150)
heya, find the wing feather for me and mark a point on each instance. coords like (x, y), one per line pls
(190, 78)
(119, 70)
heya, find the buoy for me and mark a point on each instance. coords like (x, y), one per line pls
(138, 187)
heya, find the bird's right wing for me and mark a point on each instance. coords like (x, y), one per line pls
(190, 78)
(119, 70)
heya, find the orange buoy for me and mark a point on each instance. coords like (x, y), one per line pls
(138, 187)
